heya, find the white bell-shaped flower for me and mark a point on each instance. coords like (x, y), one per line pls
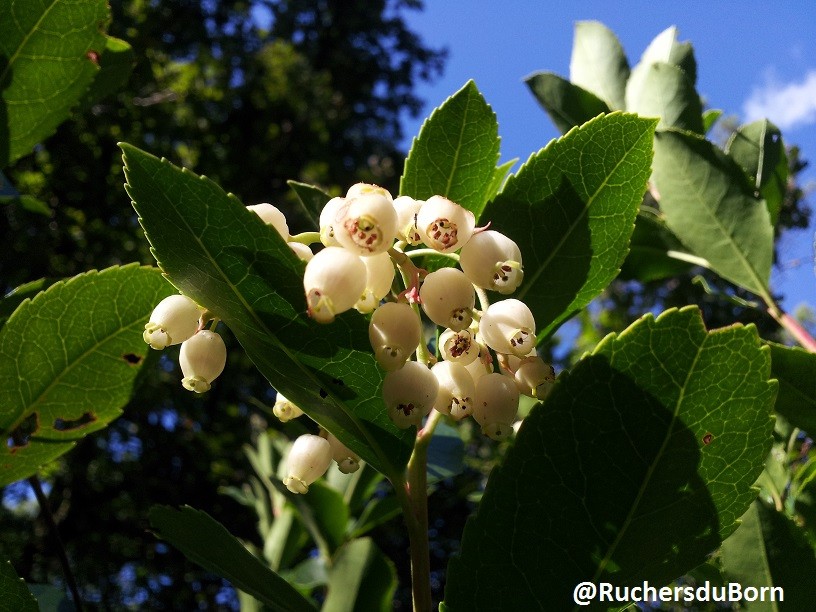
(458, 346)
(534, 377)
(394, 332)
(347, 460)
(457, 391)
(508, 327)
(481, 365)
(448, 298)
(361, 189)
(271, 215)
(379, 277)
(303, 251)
(334, 280)
(331, 217)
(369, 224)
(407, 209)
(496, 406)
(409, 394)
(492, 261)
(284, 409)
(444, 225)
(202, 359)
(309, 458)
(172, 321)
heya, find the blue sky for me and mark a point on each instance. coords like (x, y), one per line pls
(753, 60)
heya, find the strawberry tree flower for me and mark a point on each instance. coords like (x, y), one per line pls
(303, 251)
(271, 215)
(444, 225)
(492, 261)
(448, 298)
(379, 277)
(394, 332)
(361, 189)
(347, 460)
(334, 280)
(458, 346)
(508, 327)
(369, 224)
(330, 217)
(407, 209)
(496, 405)
(309, 458)
(456, 390)
(409, 394)
(534, 377)
(202, 359)
(284, 409)
(173, 320)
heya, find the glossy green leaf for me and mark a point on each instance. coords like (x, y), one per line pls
(567, 104)
(330, 512)
(68, 360)
(228, 260)
(636, 468)
(571, 209)
(378, 511)
(45, 66)
(758, 148)
(795, 368)
(115, 62)
(456, 152)
(667, 92)
(768, 550)
(206, 542)
(312, 200)
(653, 251)
(667, 49)
(710, 118)
(18, 295)
(362, 579)
(711, 208)
(14, 594)
(500, 175)
(598, 63)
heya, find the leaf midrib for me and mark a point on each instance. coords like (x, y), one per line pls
(24, 42)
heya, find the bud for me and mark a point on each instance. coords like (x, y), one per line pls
(409, 394)
(456, 390)
(394, 333)
(202, 359)
(444, 225)
(271, 215)
(496, 405)
(334, 280)
(303, 251)
(284, 409)
(407, 209)
(448, 298)
(309, 458)
(347, 461)
(492, 261)
(508, 327)
(379, 277)
(459, 347)
(172, 321)
(534, 377)
(369, 224)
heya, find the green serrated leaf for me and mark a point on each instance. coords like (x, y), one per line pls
(667, 92)
(14, 594)
(571, 209)
(44, 66)
(206, 542)
(224, 257)
(499, 176)
(312, 200)
(29, 203)
(567, 104)
(635, 469)
(768, 550)
(710, 117)
(795, 368)
(456, 152)
(758, 148)
(362, 579)
(115, 62)
(598, 63)
(664, 48)
(710, 207)
(68, 360)
(653, 251)
(18, 295)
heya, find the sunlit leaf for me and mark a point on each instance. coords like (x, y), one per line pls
(14, 594)
(567, 104)
(598, 63)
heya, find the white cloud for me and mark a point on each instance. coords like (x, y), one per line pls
(786, 104)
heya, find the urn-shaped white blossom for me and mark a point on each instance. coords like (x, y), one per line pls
(407, 209)
(457, 390)
(271, 215)
(334, 280)
(309, 458)
(448, 298)
(303, 251)
(379, 277)
(172, 321)
(361, 189)
(330, 217)
(409, 394)
(444, 225)
(534, 377)
(202, 359)
(496, 405)
(284, 409)
(508, 327)
(369, 224)
(458, 346)
(347, 460)
(492, 261)
(394, 333)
